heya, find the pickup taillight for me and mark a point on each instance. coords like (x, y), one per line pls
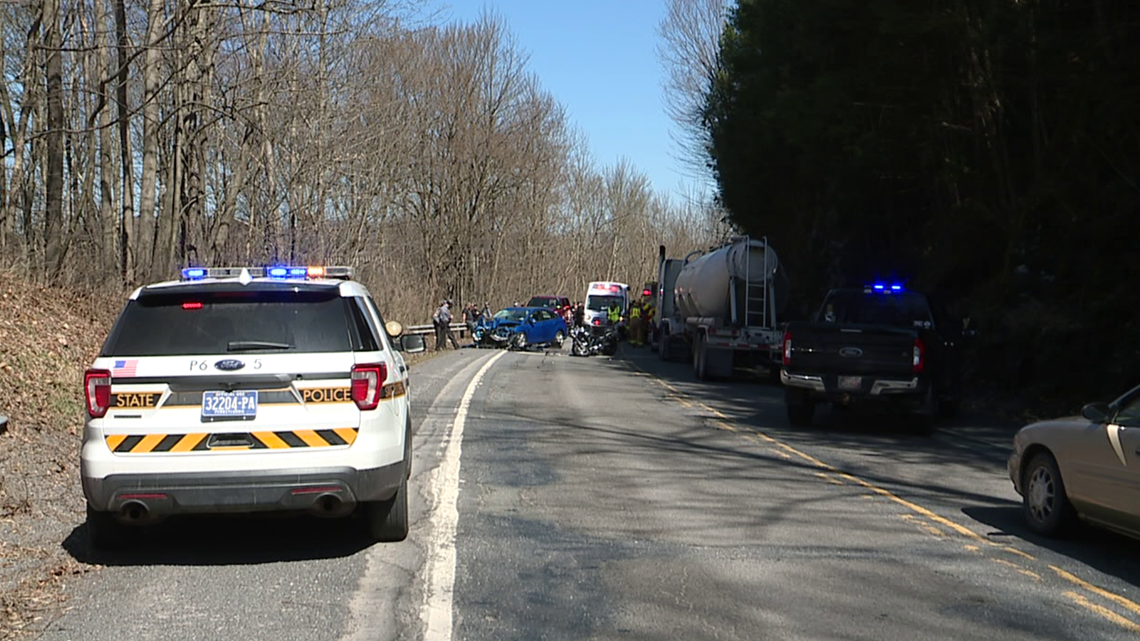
(919, 360)
(787, 348)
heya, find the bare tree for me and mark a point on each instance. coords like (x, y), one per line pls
(689, 50)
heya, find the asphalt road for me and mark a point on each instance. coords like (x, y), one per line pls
(595, 498)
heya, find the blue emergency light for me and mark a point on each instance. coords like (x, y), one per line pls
(278, 271)
(886, 289)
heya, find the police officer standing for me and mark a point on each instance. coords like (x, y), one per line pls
(442, 321)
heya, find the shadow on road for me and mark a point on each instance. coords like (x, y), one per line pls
(975, 441)
(1107, 552)
(960, 467)
(228, 540)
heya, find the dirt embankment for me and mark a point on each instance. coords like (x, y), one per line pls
(47, 338)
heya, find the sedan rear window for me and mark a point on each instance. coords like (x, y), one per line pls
(252, 321)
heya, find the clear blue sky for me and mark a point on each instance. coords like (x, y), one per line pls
(598, 58)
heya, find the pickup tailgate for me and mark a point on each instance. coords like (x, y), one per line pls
(865, 350)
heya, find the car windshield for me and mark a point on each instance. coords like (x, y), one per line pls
(859, 308)
(511, 314)
(543, 301)
(218, 322)
(602, 303)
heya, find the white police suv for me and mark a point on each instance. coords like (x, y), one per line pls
(248, 389)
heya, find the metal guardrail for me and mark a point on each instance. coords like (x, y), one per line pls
(460, 329)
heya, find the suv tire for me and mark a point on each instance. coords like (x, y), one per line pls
(387, 521)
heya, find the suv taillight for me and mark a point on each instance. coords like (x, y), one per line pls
(787, 348)
(97, 391)
(919, 356)
(366, 383)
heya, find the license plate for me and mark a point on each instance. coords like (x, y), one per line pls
(850, 382)
(240, 405)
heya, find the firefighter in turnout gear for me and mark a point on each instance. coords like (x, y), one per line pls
(636, 326)
(647, 312)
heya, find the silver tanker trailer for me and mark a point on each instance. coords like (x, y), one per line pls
(721, 307)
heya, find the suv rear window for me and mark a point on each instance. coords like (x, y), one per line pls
(239, 321)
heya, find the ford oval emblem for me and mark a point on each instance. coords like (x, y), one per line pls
(229, 365)
(851, 352)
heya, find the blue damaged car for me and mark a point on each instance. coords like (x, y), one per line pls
(521, 328)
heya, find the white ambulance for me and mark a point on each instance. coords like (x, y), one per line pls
(599, 296)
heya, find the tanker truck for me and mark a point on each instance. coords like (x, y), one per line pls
(720, 308)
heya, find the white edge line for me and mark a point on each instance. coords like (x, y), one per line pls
(437, 613)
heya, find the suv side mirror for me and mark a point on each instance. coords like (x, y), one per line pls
(1096, 412)
(411, 343)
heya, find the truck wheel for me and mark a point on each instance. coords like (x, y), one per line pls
(663, 347)
(387, 521)
(700, 359)
(800, 414)
(948, 408)
(1047, 507)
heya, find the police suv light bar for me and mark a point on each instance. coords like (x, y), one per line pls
(277, 271)
(879, 287)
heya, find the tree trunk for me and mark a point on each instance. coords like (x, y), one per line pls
(151, 85)
(97, 72)
(127, 214)
(53, 178)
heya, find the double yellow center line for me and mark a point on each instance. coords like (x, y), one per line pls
(787, 451)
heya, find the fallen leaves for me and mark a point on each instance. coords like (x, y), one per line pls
(48, 337)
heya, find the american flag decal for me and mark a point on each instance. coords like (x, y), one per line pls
(125, 367)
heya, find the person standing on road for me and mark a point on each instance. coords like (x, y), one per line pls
(469, 317)
(579, 315)
(486, 311)
(636, 326)
(442, 320)
(613, 314)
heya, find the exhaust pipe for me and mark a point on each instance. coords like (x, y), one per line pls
(134, 511)
(330, 506)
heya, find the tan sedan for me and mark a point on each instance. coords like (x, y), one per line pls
(1086, 466)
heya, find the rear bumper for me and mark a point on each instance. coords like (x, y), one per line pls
(826, 387)
(237, 492)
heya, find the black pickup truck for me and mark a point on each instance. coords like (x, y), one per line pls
(877, 344)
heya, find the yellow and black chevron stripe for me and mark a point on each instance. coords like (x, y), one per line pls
(202, 441)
